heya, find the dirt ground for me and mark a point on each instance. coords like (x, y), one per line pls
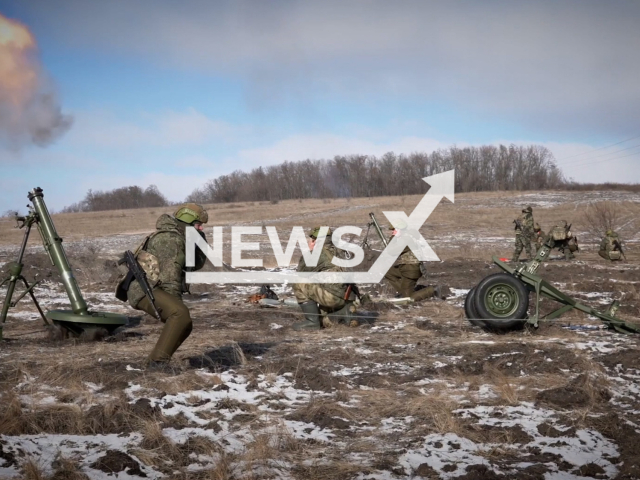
(414, 391)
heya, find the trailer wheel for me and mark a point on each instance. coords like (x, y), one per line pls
(502, 301)
(470, 310)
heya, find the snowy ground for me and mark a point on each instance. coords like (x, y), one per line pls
(414, 392)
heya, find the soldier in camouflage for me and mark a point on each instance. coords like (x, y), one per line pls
(564, 240)
(407, 270)
(162, 256)
(610, 247)
(524, 232)
(325, 299)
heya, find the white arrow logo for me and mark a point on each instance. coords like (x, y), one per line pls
(442, 186)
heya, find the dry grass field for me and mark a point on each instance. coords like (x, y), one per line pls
(414, 392)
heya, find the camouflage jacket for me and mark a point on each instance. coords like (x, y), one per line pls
(167, 244)
(524, 225)
(325, 265)
(406, 257)
(540, 237)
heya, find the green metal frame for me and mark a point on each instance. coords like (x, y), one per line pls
(80, 318)
(543, 289)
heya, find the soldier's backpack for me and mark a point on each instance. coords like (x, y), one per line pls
(149, 264)
(559, 233)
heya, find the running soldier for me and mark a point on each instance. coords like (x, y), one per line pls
(162, 257)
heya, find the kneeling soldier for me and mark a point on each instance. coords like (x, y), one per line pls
(610, 247)
(328, 297)
(407, 270)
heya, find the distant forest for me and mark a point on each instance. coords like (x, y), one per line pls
(477, 169)
(119, 199)
(486, 168)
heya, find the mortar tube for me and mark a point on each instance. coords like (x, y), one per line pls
(53, 244)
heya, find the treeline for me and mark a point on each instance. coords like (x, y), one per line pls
(119, 199)
(486, 168)
(598, 187)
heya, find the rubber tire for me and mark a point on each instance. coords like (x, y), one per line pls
(470, 310)
(515, 319)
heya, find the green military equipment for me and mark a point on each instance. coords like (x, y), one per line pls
(376, 225)
(518, 224)
(191, 212)
(618, 246)
(79, 319)
(501, 301)
(136, 272)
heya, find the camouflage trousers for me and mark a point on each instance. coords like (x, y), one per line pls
(522, 241)
(403, 278)
(607, 256)
(316, 292)
(177, 323)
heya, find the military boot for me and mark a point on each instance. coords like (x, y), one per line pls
(442, 292)
(345, 315)
(423, 294)
(311, 317)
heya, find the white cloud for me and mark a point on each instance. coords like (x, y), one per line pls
(106, 130)
(559, 66)
(326, 146)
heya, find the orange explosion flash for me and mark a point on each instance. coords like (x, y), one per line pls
(18, 76)
(29, 109)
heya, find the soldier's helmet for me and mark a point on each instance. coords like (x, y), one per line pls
(314, 232)
(537, 227)
(562, 223)
(609, 233)
(190, 213)
(527, 209)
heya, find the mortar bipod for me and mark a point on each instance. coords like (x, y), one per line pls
(15, 275)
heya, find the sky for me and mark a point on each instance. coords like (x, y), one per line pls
(177, 93)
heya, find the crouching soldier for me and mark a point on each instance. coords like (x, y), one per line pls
(564, 240)
(610, 247)
(324, 299)
(407, 270)
(162, 256)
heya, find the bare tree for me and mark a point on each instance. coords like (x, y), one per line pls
(477, 169)
(119, 199)
(602, 216)
(9, 214)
